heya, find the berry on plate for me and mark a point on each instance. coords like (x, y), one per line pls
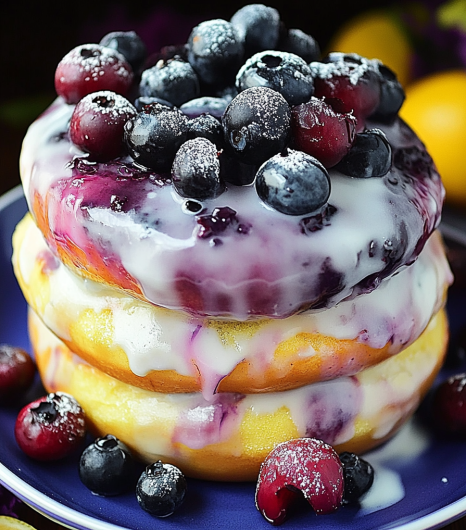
(358, 476)
(50, 427)
(17, 371)
(304, 465)
(449, 405)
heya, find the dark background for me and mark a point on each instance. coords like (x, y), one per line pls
(35, 35)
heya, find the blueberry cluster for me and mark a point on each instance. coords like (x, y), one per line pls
(107, 468)
(242, 102)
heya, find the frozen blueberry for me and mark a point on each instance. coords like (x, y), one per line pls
(258, 26)
(284, 72)
(196, 170)
(106, 467)
(392, 94)
(369, 156)
(215, 51)
(257, 124)
(294, 183)
(300, 43)
(161, 489)
(206, 126)
(358, 476)
(129, 44)
(154, 135)
(173, 80)
(205, 105)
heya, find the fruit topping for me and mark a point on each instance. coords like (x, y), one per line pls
(215, 51)
(284, 72)
(293, 183)
(205, 105)
(97, 123)
(449, 406)
(161, 489)
(154, 135)
(206, 126)
(300, 43)
(196, 170)
(235, 172)
(218, 221)
(129, 44)
(370, 156)
(258, 26)
(305, 465)
(17, 371)
(50, 427)
(358, 476)
(256, 124)
(321, 132)
(352, 79)
(173, 80)
(90, 68)
(392, 94)
(106, 466)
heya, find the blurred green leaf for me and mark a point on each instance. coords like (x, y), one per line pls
(20, 112)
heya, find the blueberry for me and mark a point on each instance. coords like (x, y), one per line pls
(206, 126)
(196, 170)
(161, 489)
(154, 135)
(284, 72)
(106, 467)
(142, 101)
(294, 183)
(358, 476)
(300, 43)
(235, 172)
(258, 26)
(205, 105)
(173, 80)
(215, 51)
(257, 124)
(392, 94)
(129, 44)
(369, 156)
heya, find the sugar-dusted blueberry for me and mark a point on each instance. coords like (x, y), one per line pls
(352, 79)
(215, 106)
(173, 80)
(256, 124)
(50, 427)
(106, 466)
(392, 94)
(300, 43)
(215, 51)
(161, 489)
(358, 476)
(17, 370)
(284, 72)
(90, 68)
(258, 26)
(304, 466)
(369, 156)
(142, 101)
(293, 183)
(129, 44)
(97, 123)
(196, 170)
(206, 126)
(235, 172)
(320, 131)
(154, 135)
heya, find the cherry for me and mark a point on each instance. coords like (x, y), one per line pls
(97, 123)
(90, 68)
(17, 371)
(304, 465)
(449, 405)
(321, 132)
(50, 427)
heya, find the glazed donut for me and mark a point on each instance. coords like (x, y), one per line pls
(170, 351)
(228, 437)
(261, 263)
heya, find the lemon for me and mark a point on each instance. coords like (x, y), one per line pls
(435, 108)
(376, 35)
(10, 523)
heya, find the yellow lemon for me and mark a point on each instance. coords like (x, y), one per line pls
(10, 523)
(376, 35)
(435, 107)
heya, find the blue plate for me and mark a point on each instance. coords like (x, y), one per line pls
(420, 478)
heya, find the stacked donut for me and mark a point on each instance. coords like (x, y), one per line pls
(246, 293)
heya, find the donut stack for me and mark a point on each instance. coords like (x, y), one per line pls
(226, 250)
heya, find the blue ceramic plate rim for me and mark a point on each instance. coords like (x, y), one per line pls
(428, 502)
